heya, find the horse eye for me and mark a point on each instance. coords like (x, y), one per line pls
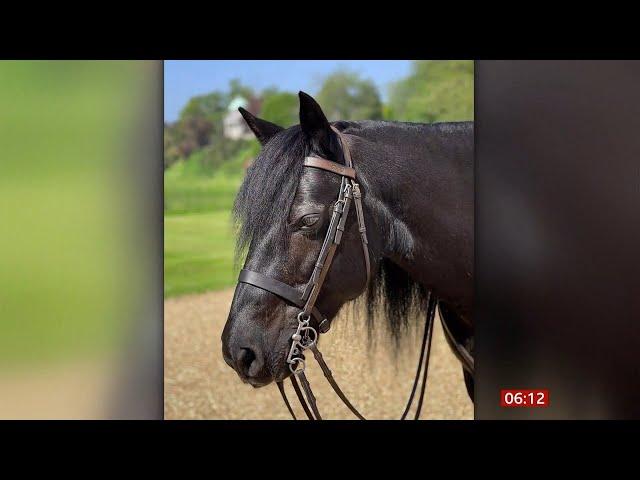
(309, 220)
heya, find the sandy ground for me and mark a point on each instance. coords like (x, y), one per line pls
(70, 390)
(200, 385)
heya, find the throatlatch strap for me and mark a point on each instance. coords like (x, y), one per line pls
(345, 150)
(357, 200)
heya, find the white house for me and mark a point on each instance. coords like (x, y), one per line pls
(234, 126)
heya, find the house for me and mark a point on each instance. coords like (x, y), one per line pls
(234, 126)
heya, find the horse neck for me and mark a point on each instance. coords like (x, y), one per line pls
(418, 183)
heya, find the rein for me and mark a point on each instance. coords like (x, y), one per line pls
(306, 336)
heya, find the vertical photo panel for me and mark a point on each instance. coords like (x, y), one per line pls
(318, 227)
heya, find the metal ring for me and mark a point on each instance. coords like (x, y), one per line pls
(313, 341)
(301, 317)
(297, 361)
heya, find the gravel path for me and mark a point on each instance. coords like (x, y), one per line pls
(200, 385)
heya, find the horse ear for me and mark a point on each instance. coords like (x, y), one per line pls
(314, 123)
(262, 129)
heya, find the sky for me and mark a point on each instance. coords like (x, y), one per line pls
(184, 79)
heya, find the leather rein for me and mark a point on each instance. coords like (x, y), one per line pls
(306, 336)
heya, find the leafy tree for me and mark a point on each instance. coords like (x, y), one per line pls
(199, 128)
(196, 130)
(213, 106)
(210, 107)
(435, 91)
(171, 152)
(280, 108)
(237, 89)
(346, 96)
(184, 137)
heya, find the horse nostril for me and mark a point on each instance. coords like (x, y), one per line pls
(246, 362)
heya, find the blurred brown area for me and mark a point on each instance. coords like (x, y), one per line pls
(72, 390)
(200, 385)
(557, 236)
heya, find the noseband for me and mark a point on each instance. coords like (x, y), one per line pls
(306, 336)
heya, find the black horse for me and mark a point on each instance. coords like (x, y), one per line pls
(417, 184)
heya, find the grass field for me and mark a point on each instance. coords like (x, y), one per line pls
(198, 232)
(187, 190)
(198, 252)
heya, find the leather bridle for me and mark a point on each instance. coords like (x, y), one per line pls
(306, 336)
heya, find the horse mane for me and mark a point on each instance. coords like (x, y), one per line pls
(393, 298)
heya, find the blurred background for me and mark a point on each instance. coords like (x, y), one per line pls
(80, 239)
(557, 298)
(207, 148)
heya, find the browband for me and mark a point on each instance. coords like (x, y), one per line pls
(330, 166)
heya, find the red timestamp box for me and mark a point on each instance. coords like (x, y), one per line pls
(524, 398)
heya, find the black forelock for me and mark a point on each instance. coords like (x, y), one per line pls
(267, 192)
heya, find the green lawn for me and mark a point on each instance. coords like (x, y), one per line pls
(198, 252)
(198, 194)
(198, 232)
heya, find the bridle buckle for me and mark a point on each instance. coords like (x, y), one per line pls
(325, 326)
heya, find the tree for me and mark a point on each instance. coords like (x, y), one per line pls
(435, 91)
(210, 107)
(346, 96)
(213, 106)
(184, 137)
(237, 89)
(171, 152)
(280, 108)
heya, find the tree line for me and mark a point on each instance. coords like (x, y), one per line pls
(435, 90)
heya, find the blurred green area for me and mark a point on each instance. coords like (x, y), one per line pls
(435, 91)
(198, 234)
(204, 168)
(201, 254)
(65, 129)
(194, 185)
